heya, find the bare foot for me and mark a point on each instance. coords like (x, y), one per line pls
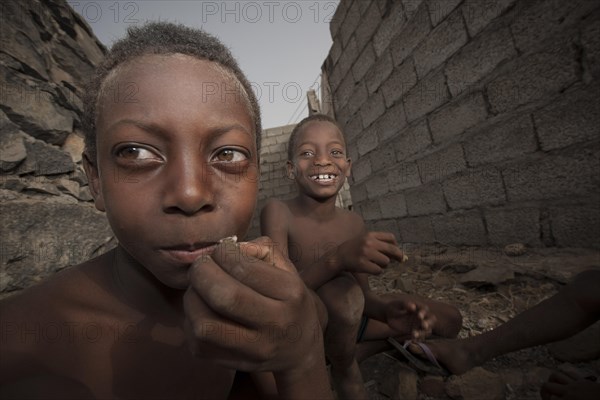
(452, 354)
(570, 385)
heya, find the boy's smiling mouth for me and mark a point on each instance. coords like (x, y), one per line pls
(323, 177)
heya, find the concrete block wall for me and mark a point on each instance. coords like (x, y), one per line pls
(472, 122)
(273, 179)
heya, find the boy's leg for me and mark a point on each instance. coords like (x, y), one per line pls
(344, 301)
(571, 310)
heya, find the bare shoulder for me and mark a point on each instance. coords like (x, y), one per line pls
(276, 206)
(350, 220)
(55, 301)
(275, 215)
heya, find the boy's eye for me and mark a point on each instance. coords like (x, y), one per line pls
(230, 155)
(306, 153)
(337, 153)
(136, 153)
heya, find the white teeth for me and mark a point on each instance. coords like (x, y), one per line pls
(322, 176)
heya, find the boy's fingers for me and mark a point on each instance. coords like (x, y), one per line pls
(266, 250)
(231, 298)
(563, 377)
(385, 237)
(556, 389)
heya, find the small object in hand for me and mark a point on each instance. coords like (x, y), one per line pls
(404, 258)
(229, 239)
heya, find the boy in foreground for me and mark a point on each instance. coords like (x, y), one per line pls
(334, 255)
(172, 140)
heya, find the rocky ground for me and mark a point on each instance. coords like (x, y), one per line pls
(489, 287)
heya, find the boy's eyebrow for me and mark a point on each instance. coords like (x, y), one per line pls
(159, 131)
(338, 142)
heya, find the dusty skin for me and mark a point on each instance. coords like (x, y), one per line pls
(171, 312)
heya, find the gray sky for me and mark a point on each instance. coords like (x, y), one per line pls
(280, 45)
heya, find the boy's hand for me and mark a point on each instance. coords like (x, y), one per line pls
(247, 309)
(406, 315)
(370, 252)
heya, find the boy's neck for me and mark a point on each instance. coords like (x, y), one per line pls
(140, 289)
(321, 209)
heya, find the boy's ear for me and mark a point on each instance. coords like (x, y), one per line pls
(291, 170)
(91, 171)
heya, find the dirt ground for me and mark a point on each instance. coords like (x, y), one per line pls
(489, 287)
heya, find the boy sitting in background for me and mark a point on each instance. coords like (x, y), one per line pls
(334, 255)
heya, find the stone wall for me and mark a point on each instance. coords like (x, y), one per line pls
(472, 122)
(47, 219)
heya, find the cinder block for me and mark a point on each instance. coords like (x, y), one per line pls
(385, 225)
(377, 186)
(363, 6)
(574, 118)
(507, 226)
(344, 91)
(475, 188)
(412, 140)
(384, 157)
(456, 117)
(353, 129)
(357, 99)
(361, 169)
(334, 53)
(442, 163)
(349, 55)
(460, 228)
(402, 79)
(566, 175)
(535, 76)
(351, 21)
(416, 230)
(372, 109)
(426, 96)
(440, 44)
(369, 22)
(425, 200)
(390, 123)
(338, 18)
(359, 192)
(367, 142)
(393, 206)
(412, 7)
(590, 40)
(364, 62)
(506, 139)
(576, 226)
(479, 13)
(380, 71)
(538, 20)
(439, 9)
(414, 31)
(370, 210)
(403, 176)
(479, 58)
(391, 24)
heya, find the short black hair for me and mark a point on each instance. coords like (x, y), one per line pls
(311, 118)
(162, 38)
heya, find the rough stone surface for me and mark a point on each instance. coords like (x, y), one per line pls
(477, 384)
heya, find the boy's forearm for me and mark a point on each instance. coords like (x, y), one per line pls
(322, 271)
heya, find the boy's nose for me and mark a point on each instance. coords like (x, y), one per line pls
(321, 160)
(189, 189)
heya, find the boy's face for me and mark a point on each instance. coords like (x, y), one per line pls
(176, 161)
(320, 165)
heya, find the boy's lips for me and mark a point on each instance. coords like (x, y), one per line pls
(187, 253)
(323, 179)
